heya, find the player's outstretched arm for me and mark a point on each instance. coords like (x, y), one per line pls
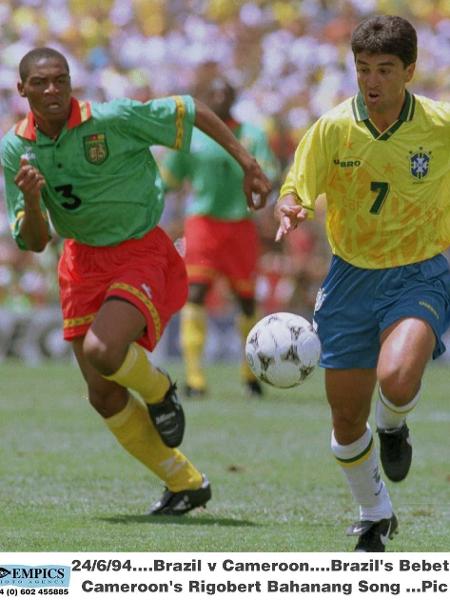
(289, 213)
(34, 227)
(256, 185)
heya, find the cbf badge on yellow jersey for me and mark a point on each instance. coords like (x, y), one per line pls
(419, 163)
(95, 148)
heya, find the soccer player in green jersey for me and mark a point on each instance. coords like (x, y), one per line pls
(221, 238)
(383, 160)
(88, 166)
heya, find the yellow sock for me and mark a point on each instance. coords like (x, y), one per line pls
(192, 338)
(136, 433)
(244, 325)
(138, 373)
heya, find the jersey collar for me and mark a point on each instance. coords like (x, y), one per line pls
(361, 114)
(79, 113)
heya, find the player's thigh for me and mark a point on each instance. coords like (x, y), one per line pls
(349, 393)
(421, 292)
(406, 348)
(344, 318)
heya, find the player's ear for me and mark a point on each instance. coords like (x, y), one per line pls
(20, 89)
(410, 71)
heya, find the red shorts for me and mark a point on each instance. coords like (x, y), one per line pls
(147, 272)
(229, 248)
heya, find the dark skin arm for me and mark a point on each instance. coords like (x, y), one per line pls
(33, 228)
(256, 185)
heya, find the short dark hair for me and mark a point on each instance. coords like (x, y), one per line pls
(37, 54)
(386, 34)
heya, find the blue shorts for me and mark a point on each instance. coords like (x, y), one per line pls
(354, 306)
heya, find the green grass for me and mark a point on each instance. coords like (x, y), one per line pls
(66, 485)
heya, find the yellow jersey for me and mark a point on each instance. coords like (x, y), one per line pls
(388, 193)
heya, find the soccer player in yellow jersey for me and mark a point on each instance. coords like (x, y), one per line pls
(383, 160)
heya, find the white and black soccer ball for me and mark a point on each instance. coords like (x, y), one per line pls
(282, 349)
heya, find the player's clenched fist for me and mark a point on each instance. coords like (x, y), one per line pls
(256, 186)
(29, 180)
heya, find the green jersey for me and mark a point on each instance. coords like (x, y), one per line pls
(102, 182)
(215, 175)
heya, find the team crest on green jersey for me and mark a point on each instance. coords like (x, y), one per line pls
(95, 148)
(419, 163)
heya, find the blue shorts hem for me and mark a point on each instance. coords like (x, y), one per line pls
(347, 364)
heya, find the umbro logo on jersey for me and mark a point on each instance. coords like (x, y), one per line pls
(347, 163)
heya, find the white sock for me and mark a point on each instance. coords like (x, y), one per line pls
(390, 416)
(359, 464)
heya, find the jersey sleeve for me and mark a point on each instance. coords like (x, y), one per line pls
(15, 205)
(307, 176)
(163, 121)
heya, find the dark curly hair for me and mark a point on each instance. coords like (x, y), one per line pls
(34, 56)
(386, 34)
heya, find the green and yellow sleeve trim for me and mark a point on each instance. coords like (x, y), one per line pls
(179, 122)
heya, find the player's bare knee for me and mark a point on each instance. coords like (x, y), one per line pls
(104, 357)
(399, 385)
(348, 426)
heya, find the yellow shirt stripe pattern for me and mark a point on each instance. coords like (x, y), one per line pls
(388, 200)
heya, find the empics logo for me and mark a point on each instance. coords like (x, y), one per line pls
(35, 576)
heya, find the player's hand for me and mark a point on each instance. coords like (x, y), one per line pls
(290, 217)
(30, 181)
(257, 186)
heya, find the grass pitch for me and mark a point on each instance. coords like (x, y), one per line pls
(66, 485)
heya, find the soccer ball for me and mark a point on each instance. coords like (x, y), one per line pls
(282, 349)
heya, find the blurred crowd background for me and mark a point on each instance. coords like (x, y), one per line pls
(288, 60)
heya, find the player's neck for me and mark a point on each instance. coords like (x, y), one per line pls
(50, 127)
(386, 117)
